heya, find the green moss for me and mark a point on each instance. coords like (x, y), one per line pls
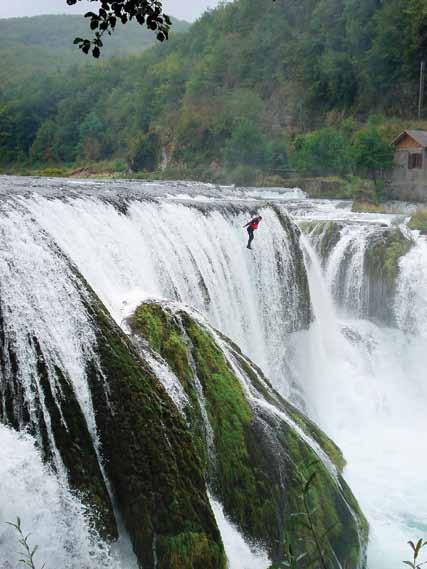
(325, 443)
(75, 445)
(157, 476)
(333, 520)
(384, 254)
(234, 474)
(326, 234)
(188, 550)
(367, 207)
(260, 462)
(164, 335)
(419, 221)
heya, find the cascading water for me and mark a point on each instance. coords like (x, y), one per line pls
(366, 387)
(193, 255)
(55, 518)
(362, 382)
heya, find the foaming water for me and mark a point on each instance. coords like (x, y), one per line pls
(40, 299)
(365, 386)
(346, 279)
(172, 251)
(411, 300)
(239, 554)
(57, 520)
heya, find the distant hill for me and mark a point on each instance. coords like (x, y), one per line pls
(44, 44)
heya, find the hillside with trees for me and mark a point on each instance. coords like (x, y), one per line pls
(44, 44)
(253, 87)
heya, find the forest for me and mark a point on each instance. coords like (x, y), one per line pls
(308, 87)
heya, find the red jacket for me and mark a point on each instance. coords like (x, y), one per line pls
(253, 224)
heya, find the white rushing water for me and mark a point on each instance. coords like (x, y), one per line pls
(55, 519)
(240, 555)
(173, 251)
(366, 387)
(40, 298)
(362, 382)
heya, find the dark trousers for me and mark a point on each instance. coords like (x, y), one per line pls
(251, 236)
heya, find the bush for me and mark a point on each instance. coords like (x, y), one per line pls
(362, 190)
(419, 221)
(371, 154)
(144, 152)
(247, 146)
(243, 175)
(322, 152)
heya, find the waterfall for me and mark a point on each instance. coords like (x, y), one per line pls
(411, 299)
(194, 255)
(55, 518)
(238, 551)
(43, 316)
(359, 378)
(127, 254)
(366, 387)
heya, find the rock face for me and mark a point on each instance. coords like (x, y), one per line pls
(382, 267)
(374, 252)
(56, 419)
(154, 473)
(258, 451)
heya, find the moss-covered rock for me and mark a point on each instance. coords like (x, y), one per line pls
(367, 207)
(157, 477)
(384, 249)
(418, 221)
(264, 448)
(382, 257)
(58, 423)
(154, 471)
(324, 236)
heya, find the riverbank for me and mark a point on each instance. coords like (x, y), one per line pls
(329, 187)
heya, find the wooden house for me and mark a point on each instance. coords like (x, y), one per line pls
(409, 176)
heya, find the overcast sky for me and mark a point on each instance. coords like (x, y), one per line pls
(184, 9)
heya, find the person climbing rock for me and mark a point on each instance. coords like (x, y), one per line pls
(252, 226)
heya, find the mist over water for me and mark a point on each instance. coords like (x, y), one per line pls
(362, 382)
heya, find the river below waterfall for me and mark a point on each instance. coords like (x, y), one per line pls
(361, 378)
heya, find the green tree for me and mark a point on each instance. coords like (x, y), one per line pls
(371, 154)
(44, 148)
(323, 152)
(247, 145)
(93, 141)
(144, 152)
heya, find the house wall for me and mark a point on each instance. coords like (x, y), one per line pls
(409, 184)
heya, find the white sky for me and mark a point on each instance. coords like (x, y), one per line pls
(184, 9)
